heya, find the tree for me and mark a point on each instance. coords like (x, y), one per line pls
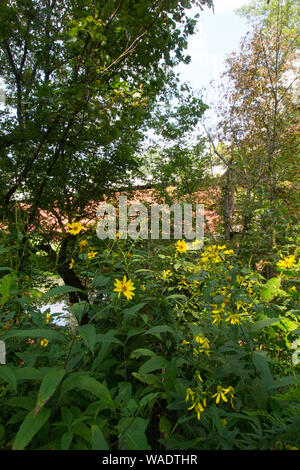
(82, 80)
(268, 13)
(258, 121)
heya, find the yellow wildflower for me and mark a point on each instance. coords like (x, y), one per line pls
(211, 248)
(71, 264)
(198, 407)
(234, 318)
(220, 310)
(181, 246)
(199, 377)
(241, 280)
(47, 317)
(217, 319)
(125, 287)
(92, 254)
(189, 393)
(203, 345)
(239, 305)
(286, 262)
(44, 343)
(231, 394)
(75, 228)
(221, 394)
(223, 290)
(166, 275)
(202, 341)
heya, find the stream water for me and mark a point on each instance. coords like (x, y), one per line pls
(57, 312)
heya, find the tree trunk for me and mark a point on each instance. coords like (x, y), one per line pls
(228, 204)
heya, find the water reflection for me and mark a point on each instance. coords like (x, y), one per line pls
(58, 312)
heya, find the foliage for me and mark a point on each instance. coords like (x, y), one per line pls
(199, 358)
(152, 346)
(257, 131)
(268, 13)
(82, 79)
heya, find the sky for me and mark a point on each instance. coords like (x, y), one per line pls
(218, 35)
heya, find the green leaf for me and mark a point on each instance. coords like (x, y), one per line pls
(170, 377)
(165, 427)
(142, 352)
(8, 376)
(85, 382)
(130, 312)
(156, 330)
(149, 379)
(59, 290)
(66, 415)
(73, 32)
(88, 333)
(80, 309)
(36, 333)
(132, 434)
(28, 373)
(100, 338)
(135, 332)
(30, 427)
(98, 440)
(176, 296)
(48, 387)
(125, 393)
(154, 363)
(285, 381)
(82, 430)
(21, 402)
(259, 393)
(260, 362)
(66, 440)
(150, 398)
(259, 325)
(6, 283)
(100, 281)
(271, 289)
